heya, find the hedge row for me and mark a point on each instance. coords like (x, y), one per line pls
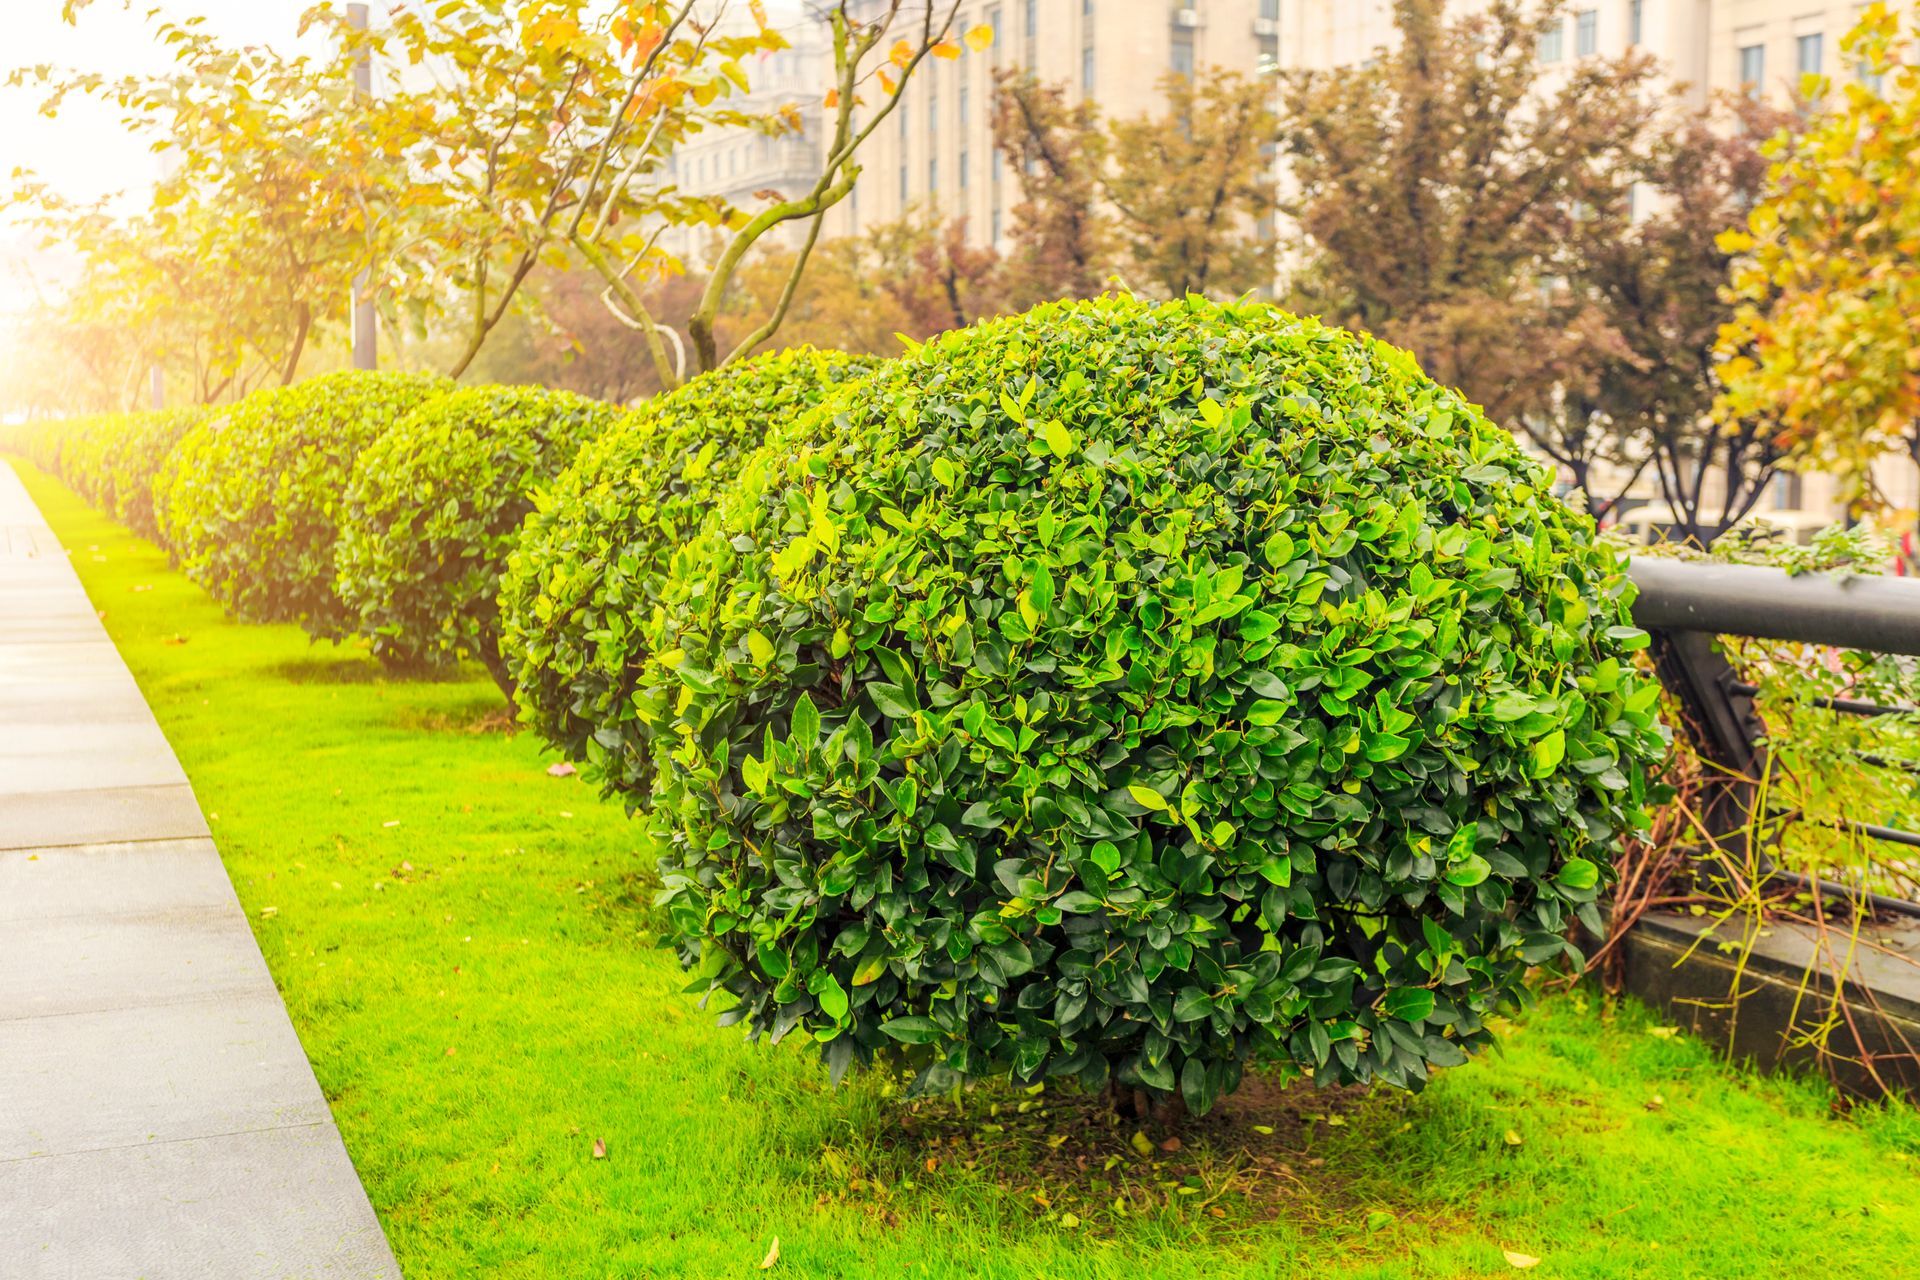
(1123, 692)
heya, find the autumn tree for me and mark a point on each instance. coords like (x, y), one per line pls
(1823, 349)
(1175, 203)
(1062, 240)
(877, 48)
(535, 127)
(1193, 188)
(281, 188)
(939, 280)
(1439, 186)
(1655, 276)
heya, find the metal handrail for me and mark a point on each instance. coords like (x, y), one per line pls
(1684, 605)
(1853, 612)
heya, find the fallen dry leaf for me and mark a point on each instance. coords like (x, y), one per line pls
(599, 1148)
(1513, 1137)
(773, 1255)
(1171, 1144)
(561, 770)
(1520, 1261)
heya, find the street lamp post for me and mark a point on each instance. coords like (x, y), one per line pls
(366, 334)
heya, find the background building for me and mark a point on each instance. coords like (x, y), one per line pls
(936, 156)
(741, 164)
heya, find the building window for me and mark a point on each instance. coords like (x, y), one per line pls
(1033, 22)
(1806, 52)
(1753, 65)
(933, 175)
(996, 225)
(993, 21)
(1086, 48)
(1183, 52)
(1636, 21)
(964, 175)
(1550, 49)
(1270, 10)
(1586, 33)
(903, 186)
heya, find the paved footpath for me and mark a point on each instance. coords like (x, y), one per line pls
(158, 1119)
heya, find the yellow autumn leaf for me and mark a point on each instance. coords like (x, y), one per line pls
(980, 39)
(945, 49)
(1519, 1261)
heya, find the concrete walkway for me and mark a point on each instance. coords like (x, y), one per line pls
(158, 1119)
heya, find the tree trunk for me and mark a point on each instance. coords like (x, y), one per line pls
(303, 321)
(488, 651)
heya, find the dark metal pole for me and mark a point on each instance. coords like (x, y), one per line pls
(1878, 614)
(366, 333)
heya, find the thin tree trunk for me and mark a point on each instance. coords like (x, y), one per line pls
(303, 321)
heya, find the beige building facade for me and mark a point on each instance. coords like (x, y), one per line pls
(935, 155)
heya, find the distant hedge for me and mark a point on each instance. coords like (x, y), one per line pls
(593, 554)
(250, 498)
(133, 462)
(434, 505)
(1129, 692)
(77, 452)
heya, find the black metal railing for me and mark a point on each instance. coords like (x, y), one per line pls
(1686, 605)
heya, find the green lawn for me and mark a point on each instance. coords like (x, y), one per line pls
(464, 944)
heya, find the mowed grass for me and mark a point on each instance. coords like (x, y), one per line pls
(465, 945)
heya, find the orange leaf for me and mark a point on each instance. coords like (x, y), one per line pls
(946, 49)
(833, 98)
(902, 54)
(886, 82)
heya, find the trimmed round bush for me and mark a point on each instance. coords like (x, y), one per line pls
(249, 500)
(591, 557)
(135, 457)
(434, 506)
(1133, 692)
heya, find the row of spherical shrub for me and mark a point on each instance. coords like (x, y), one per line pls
(1120, 691)
(385, 505)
